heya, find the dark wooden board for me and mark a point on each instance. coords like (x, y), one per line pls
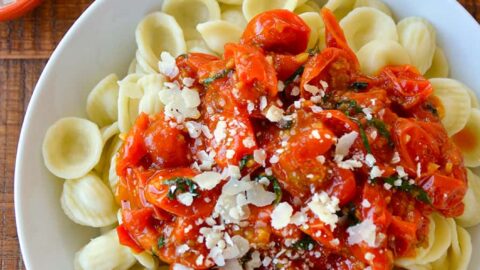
(25, 46)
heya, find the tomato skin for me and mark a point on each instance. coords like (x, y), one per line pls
(279, 31)
(446, 193)
(338, 122)
(156, 193)
(406, 85)
(190, 64)
(167, 146)
(404, 236)
(285, 65)
(343, 185)
(252, 68)
(139, 224)
(133, 150)
(126, 240)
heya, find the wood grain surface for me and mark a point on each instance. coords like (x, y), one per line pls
(25, 46)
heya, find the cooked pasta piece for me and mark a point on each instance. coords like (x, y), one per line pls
(440, 67)
(189, 13)
(439, 239)
(146, 260)
(459, 253)
(132, 68)
(251, 8)
(128, 101)
(231, 2)
(455, 102)
(418, 36)
(110, 174)
(473, 98)
(217, 33)
(142, 66)
(198, 46)
(234, 15)
(315, 22)
(468, 139)
(151, 85)
(71, 147)
(309, 6)
(102, 101)
(365, 24)
(107, 133)
(104, 253)
(88, 201)
(340, 7)
(380, 53)
(374, 4)
(156, 33)
(471, 215)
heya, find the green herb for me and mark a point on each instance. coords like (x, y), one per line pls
(416, 191)
(359, 86)
(161, 241)
(182, 185)
(351, 210)
(306, 243)
(292, 77)
(221, 74)
(349, 105)
(382, 129)
(363, 135)
(275, 184)
(431, 108)
(244, 161)
(315, 49)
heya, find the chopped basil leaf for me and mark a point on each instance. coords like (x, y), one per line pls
(292, 77)
(244, 162)
(431, 108)
(221, 74)
(382, 129)
(363, 135)
(349, 106)
(277, 189)
(350, 211)
(161, 241)
(181, 184)
(306, 243)
(359, 85)
(416, 191)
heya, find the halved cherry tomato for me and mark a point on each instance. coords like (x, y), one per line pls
(446, 193)
(189, 64)
(285, 65)
(252, 68)
(404, 236)
(279, 31)
(140, 225)
(125, 239)
(134, 149)
(343, 184)
(337, 121)
(406, 85)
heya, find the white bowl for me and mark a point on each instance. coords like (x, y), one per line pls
(102, 41)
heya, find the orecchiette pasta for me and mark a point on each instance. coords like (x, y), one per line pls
(455, 102)
(128, 101)
(88, 201)
(459, 252)
(234, 15)
(107, 133)
(418, 36)
(340, 7)
(374, 4)
(110, 174)
(309, 6)
(440, 67)
(198, 46)
(104, 253)
(142, 66)
(365, 24)
(251, 8)
(132, 68)
(72, 147)
(468, 139)
(102, 101)
(380, 53)
(217, 33)
(231, 2)
(189, 13)
(315, 22)
(156, 33)
(471, 215)
(151, 85)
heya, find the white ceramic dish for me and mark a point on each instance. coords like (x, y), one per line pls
(101, 42)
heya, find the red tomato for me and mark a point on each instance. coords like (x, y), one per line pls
(167, 146)
(279, 31)
(404, 236)
(252, 68)
(17, 8)
(140, 225)
(133, 150)
(378, 199)
(343, 185)
(125, 239)
(338, 122)
(446, 193)
(334, 36)
(156, 192)
(285, 65)
(189, 64)
(406, 85)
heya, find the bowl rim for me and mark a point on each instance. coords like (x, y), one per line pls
(25, 128)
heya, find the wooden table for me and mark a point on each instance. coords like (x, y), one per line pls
(25, 46)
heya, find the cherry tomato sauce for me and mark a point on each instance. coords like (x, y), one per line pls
(400, 167)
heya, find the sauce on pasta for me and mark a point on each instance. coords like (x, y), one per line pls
(298, 161)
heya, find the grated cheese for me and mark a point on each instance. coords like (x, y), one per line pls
(325, 208)
(281, 215)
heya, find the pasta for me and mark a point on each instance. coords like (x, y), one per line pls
(365, 24)
(374, 4)
(102, 101)
(251, 8)
(315, 22)
(104, 253)
(471, 215)
(163, 138)
(88, 201)
(440, 67)
(380, 53)
(157, 33)
(217, 33)
(72, 147)
(468, 140)
(189, 13)
(418, 36)
(453, 96)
